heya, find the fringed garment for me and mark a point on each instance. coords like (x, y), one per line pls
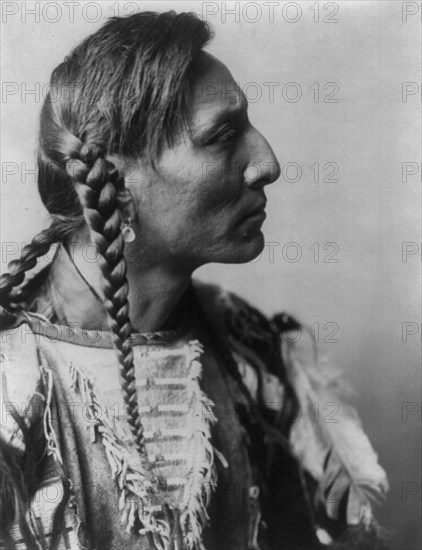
(236, 458)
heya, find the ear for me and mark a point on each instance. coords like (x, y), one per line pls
(126, 204)
(124, 198)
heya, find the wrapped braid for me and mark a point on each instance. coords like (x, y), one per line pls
(97, 182)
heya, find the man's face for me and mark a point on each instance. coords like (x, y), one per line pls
(205, 201)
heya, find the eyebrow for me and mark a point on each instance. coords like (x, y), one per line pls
(228, 114)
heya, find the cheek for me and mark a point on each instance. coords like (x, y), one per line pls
(191, 195)
(219, 188)
(195, 186)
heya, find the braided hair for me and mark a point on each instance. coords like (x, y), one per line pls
(97, 183)
(122, 91)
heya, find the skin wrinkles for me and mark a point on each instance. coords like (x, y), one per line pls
(197, 196)
(195, 206)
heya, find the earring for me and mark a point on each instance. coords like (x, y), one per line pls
(127, 232)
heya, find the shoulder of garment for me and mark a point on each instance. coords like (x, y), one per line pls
(278, 359)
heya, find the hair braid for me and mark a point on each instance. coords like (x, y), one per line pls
(133, 111)
(39, 246)
(97, 182)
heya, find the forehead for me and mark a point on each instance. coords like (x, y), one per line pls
(213, 89)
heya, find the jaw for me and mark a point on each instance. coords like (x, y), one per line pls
(238, 251)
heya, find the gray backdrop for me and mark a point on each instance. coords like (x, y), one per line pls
(335, 88)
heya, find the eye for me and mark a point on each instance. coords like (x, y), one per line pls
(227, 135)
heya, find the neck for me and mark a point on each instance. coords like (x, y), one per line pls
(153, 295)
(155, 288)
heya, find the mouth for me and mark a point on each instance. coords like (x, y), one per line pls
(259, 215)
(257, 212)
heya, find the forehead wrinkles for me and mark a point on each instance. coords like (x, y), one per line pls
(214, 93)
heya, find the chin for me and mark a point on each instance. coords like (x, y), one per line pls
(243, 250)
(254, 248)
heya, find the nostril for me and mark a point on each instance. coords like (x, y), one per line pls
(260, 174)
(253, 172)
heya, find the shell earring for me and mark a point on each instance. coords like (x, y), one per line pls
(127, 232)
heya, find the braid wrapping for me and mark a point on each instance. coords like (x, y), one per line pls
(97, 182)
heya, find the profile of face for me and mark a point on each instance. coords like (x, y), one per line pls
(204, 201)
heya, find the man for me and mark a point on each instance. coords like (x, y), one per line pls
(206, 437)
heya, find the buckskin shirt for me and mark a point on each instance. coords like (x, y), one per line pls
(238, 458)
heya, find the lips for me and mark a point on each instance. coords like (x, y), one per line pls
(261, 214)
(257, 211)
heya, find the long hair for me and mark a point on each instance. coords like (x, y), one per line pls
(122, 91)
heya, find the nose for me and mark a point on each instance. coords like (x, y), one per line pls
(263, 167)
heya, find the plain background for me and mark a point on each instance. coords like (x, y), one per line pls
(369, 214)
